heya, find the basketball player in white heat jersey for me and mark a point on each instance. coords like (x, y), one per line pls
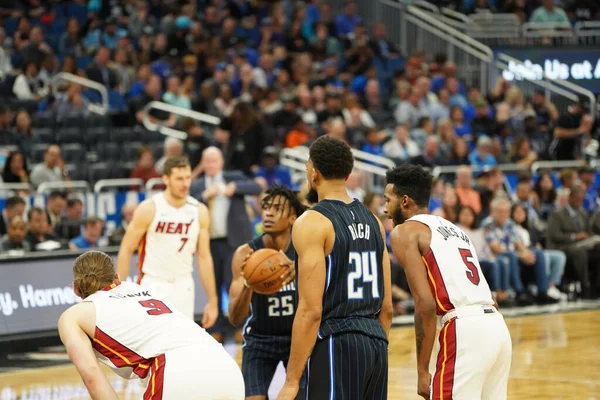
(445, 278)
(168, 229)
(139, 334)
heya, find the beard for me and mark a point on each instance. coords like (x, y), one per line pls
(397, 216)
(312, 196)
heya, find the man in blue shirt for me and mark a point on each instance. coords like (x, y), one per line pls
(91, 233)
(271, 170)
(346, 22)
(482, 156)
(587, 176)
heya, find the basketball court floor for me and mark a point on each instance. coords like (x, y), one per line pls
(556, 356)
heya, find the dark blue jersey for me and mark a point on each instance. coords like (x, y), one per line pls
(354, 287)
(272, 314)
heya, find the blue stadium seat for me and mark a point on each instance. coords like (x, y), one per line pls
(78, 11)
(116, 101)
(91, 95)
(10, 26)
(65, 135)
(60, 10)
(83, 61)
(122, 135)
(58, 27)
(108, 151)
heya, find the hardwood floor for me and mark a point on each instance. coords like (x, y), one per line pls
(555, 356)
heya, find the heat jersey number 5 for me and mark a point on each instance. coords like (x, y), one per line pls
(472, 271)
(365, 270)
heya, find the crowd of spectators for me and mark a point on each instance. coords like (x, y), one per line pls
(279, 74)
(539, 11)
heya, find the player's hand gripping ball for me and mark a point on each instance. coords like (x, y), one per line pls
(267, 270)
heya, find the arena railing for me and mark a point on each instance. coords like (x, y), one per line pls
(9, 189)
(180, 111)
(117, 183)
(88, 83)
(556, 165)
(46, 187)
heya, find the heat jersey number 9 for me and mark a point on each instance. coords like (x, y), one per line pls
(364, 270)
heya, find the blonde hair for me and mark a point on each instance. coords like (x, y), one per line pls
(92, 271)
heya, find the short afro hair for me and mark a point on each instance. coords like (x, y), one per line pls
(289, 196)
(411, 180)
(332, 157)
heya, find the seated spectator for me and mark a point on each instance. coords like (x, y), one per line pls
(530, 236)
(401, 147)
(69, 226)
(587, 176)
(6, 136)
(355, 116)
(99, 70)
(70, 42)
(483, 124)
(126, 216)
(568, 178)
(461, 127)
(55, 206)
(354, 185)
(373, 143)
(482, 157)
(332, 111)
(500, 234)
(527, 198)
(422, 131)
(450, 205)
(381, 46)
(152, 92)
(144, 168)
(38, 237)
(437, 194)
(431, 154)
(410, 110)
(459, 153)
(549, 13)
(545, 111)
(497, 273)
(51, 170)
(15, 237)
(441, 110)
(27, 85)
(567, 226)
(23, 132)
(92, 232)
(15, 169)
(271, 171)
(521, 153)
(14, 207)
(173, 147)
(374, 202)
(464, 189)
(546, 194)
(174, 95)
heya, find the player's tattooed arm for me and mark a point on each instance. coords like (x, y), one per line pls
(408, 244)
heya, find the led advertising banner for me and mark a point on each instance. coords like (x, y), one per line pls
(577, 65)
(35, 292)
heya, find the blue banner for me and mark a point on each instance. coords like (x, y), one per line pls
(578, 65)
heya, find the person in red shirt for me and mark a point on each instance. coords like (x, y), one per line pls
(144, 169)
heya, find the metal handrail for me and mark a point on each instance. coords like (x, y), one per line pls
(587, 28)
(47, 186)
(536, 166)
(547, 29)
(184, 112)
(451, 169)
(465, 39)
(65, 76)
(152, 182)
(15, 186)
(113, 183)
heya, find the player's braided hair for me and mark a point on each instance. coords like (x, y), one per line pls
(92, 271)
(287, 194)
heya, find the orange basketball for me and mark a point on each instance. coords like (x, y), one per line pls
(263, 271)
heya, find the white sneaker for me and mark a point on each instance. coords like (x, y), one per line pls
(554, 293)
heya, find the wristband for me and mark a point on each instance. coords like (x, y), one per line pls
(246, 284)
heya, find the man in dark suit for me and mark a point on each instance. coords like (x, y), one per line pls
(223, 192)
(566, 227)
(14, 207)
(100, 72)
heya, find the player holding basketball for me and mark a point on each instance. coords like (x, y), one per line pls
(268, 330)
(141, 335)
(168, 229)
(344, 289)
(445, 278)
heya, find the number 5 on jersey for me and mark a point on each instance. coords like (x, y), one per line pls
(365, 270)
(472, 271)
